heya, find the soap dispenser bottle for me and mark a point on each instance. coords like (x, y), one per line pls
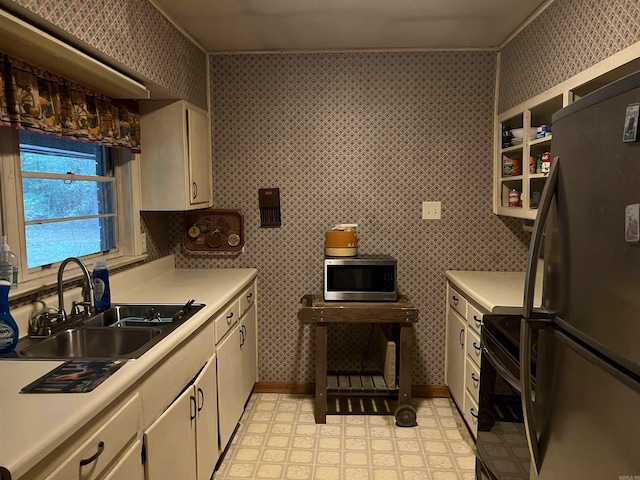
(8, 326)
(8, 263)
(101, 290)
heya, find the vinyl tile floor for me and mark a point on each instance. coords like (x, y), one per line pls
(279, 439)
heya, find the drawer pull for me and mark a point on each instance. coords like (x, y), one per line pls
(86, 461)
(462, 337)
(478, 320)
(477, 348)
(455, 300)
(229, 317)
(473, 413)
(474, 378)
(249, 296)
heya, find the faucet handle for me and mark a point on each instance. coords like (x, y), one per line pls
(75, 310)
(41, 322)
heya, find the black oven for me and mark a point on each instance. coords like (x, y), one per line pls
(502, 450)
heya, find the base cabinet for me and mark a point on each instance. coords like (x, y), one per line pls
(183, 442)
(108, 444)
(455, 353)
(130, 465)
(230, 385)
(237, 351)
(463, 353)
(249, 348)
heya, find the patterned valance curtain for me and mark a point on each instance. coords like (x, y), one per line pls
(33, 99)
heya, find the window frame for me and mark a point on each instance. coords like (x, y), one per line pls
(131, 246)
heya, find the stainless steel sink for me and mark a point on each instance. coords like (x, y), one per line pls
(123, 331)
(142, 315)
(94, 342)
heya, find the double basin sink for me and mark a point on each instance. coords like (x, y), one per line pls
(123, 331)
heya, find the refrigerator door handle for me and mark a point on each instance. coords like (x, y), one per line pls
(526, 392)
(536, 238)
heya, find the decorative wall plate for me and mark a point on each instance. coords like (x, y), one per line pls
(214, 230)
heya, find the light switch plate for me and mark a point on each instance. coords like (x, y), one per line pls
(632, 223)
(431, 210)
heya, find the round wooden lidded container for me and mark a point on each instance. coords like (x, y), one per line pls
(341, 241)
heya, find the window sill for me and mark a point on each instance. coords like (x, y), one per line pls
(43, 283)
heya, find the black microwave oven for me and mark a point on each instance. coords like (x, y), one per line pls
(363, 278)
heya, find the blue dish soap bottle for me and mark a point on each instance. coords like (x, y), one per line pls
(101, 291)
(8, 326)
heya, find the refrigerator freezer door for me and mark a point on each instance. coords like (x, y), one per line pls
(592, 277)
(587, 411)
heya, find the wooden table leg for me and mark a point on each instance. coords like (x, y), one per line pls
(404, 393)
(321, 373)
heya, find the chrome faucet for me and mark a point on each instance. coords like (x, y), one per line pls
(87, 291)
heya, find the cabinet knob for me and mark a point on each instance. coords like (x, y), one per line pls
(94, 457)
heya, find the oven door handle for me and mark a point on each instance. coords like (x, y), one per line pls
(501, 369)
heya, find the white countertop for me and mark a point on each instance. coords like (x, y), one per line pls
(497, 292)
(32, 425)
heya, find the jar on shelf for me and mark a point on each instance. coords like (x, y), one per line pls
(514, 197)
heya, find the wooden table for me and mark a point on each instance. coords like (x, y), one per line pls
(401, 314)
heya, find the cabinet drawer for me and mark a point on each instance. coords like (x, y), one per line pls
(474, 317)
(103, 446)
(227, 319)
(472, 381)
(457, 301)
(474, 351)
(471, 413)
(247, 298)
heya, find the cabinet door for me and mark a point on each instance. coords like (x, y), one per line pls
(207, 450)
(130, 465)
(230, 384)
(249, 352)
(199, 156)
(170, 441)
(455, 355)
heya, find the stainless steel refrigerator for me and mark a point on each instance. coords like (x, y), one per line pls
(582, 410)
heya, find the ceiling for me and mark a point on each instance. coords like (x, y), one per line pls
(321, 25)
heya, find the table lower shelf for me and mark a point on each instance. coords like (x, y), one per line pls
(358, 384)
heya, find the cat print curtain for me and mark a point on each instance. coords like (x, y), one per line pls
(33, 99)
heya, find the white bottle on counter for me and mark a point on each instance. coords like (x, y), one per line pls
(8, 264)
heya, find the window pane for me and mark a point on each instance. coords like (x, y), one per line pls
(53, 242)
(52, 198)
(50, 154)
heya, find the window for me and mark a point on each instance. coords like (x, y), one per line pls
(68, 195)
(67, 198)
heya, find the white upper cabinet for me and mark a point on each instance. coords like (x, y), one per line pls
(175, 166)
